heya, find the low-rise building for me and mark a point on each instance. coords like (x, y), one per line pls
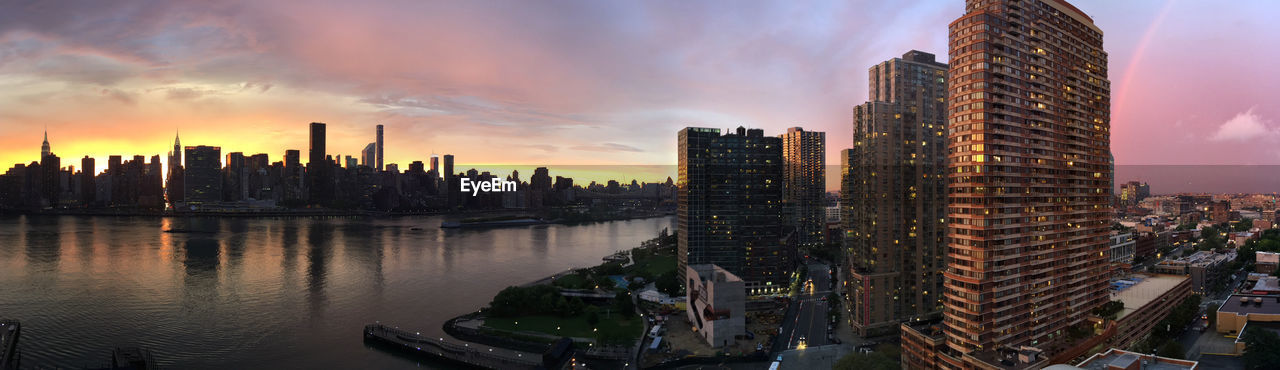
(1264, 223)
(1242, 311)
(717, 302)
(1123, 248)
(1147, 300)
(650, 294)
(1266, 262)
(920, 344)
(1239, 238)
(1204, 268)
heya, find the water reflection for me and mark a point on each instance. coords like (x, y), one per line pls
(44, 243)
(265, 293)
(319, 237)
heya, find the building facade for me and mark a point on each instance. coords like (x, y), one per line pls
(1029, 190)
(729, 206)
(894, 193)
(716, 304)
(805, 183)
(203, 175)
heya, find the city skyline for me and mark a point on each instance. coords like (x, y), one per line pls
(232, 79)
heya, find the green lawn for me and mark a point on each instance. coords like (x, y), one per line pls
(612, 329)
(656, 265)
(571, 280)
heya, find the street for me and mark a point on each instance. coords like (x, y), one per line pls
(806, 320)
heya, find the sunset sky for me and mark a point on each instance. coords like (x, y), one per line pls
(572, 82)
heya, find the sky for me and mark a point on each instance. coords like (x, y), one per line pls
(572, 82)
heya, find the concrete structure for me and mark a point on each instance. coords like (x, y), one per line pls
(894, 188)
(1204, 268)
(1030, 176)
(805, 183)
(729, 207)
(716, 304)
(1266, 262)
(1116, 359)
(1147, 300)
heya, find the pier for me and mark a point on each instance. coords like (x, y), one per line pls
(448, 349)
(9, 331)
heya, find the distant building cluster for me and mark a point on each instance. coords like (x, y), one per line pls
(203, 178)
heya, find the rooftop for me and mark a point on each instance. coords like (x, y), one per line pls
(1249, 303)
(1138, 290)
(1115, 358)
(1267, 285)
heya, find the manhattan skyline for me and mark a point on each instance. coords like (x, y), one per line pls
(539, 90)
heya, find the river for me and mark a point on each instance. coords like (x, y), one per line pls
(266, 292)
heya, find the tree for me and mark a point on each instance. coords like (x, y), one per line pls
(1172, 349)
(867, 361)
(1260, 349)
(623, 304)
(669, 283)
(593, 316)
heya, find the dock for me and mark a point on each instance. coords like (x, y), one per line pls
(9, 332)
(450, 350)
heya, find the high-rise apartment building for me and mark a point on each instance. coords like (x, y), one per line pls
(1029, 214)
(381, 159)
(203, 175)
(894, 195)
(729, 207)
(805, 184)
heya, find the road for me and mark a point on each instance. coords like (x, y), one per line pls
(806, 319)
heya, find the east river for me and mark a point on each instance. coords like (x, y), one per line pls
(266, 292)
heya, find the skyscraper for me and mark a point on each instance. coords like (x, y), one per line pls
(88, 185)
(293, 175)
(368, 156)
(44, 147)
(50, 165)
(729, 208)
(435, 162)
(203, 175)
(1028, 166)
(805, 184)
(174, 187)
(381, 159)
(451, 196)
(319, 167)
(894, 195)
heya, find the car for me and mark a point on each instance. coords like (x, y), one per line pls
(779, 358)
